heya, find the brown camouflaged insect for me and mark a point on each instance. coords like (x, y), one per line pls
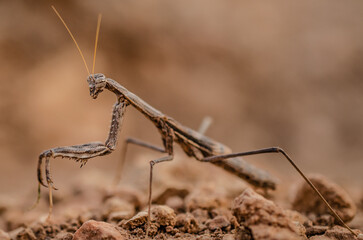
(194, 143)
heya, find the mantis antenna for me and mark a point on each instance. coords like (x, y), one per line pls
(74, 40)
(97, 34)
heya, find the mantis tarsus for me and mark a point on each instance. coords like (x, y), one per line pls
(193, 143)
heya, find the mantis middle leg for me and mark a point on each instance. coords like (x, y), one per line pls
(205, 124)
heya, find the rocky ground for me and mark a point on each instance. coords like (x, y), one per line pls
(181, 213)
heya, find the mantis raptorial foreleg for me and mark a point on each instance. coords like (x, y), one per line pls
(82, 153)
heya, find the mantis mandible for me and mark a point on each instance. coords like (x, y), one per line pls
(193, 143)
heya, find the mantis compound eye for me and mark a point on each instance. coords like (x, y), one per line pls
(96, 78)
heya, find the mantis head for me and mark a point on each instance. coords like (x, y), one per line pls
(96, 84)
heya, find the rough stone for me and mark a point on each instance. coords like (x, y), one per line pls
(94, 230)
(308, 202)
(136, 221)
(263, 217)
(163, 215)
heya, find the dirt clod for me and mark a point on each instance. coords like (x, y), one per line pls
(163, 215)
(308, 202)
(94, 230)
(218, 222)
(187, 223)
(263, 217)
(136, 221)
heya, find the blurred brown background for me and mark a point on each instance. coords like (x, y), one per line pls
(285, 74)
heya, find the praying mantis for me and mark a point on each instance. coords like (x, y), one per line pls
(193, 143)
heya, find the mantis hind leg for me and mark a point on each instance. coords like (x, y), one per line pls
(206, 122)
(219, 158)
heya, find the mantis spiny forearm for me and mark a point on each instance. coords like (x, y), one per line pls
(81, 153)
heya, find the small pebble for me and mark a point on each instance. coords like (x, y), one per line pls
(94, 230)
